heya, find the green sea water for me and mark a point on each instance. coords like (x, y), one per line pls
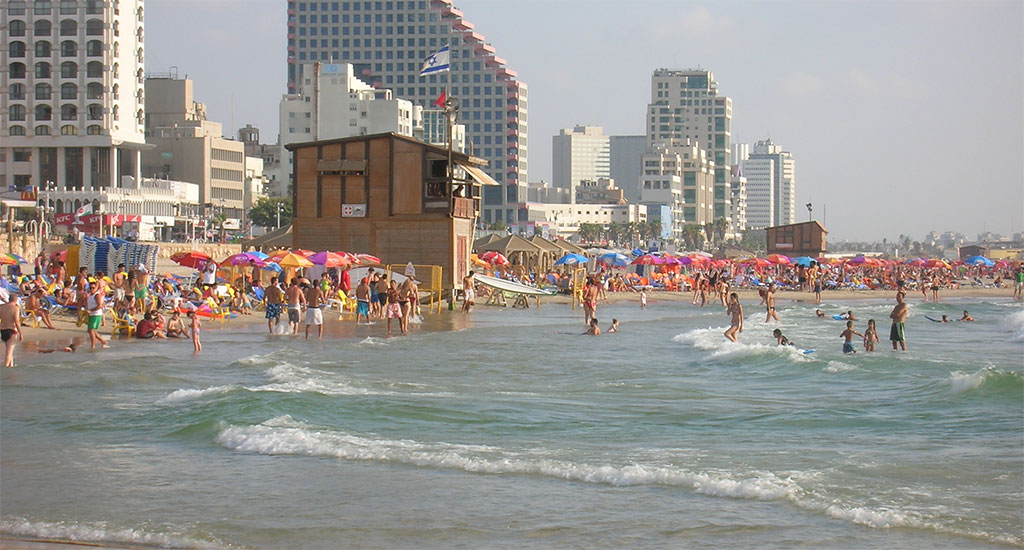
(509, 429)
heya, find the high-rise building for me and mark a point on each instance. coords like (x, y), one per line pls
(685, 104)
(387, 42)
(626, 159)
(738, 199)
(679, 175)
(760, 174)
(72, 93)
(783, 190)
(270, 154)
(579, 154)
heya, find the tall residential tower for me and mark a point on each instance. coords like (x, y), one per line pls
(387, 42)
(72, 93)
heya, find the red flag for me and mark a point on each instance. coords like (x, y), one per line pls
(440, 100)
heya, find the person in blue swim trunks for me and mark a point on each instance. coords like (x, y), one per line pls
(848, 335)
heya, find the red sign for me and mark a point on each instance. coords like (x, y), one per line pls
(93, 220)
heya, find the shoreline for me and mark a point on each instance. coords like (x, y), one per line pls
(66, 331)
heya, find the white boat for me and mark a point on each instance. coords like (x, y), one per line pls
(509, 286)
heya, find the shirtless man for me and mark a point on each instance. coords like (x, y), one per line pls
(315, 315)
(10, 319)
(295, 300)
(34, 306)
(592, 328)
(275, 300)
(468, 292)
(94, 308)
(736, 311)
(381, 287)
(898, 316)
(363, 300)
(119, 278)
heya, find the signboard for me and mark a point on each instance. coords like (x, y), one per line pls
(353, 211)
(784, 245)
(94, 219)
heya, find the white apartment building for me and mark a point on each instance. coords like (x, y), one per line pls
(783, 181)
(387, 42)
(738, 196)
(679, 175)
(760, 174)
(578, 154)
(71, 93)
(564, 219)
(686, 105)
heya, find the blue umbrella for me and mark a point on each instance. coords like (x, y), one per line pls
(803, 260)
(272, 266)
(258, 254)
(638, 252)
(979, 260)
(614, 259)
(572, 259)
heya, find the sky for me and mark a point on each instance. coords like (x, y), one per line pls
(903, 117)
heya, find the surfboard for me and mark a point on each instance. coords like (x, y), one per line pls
(808, 351)
(933, 320)
(838, 317)
(509, 286)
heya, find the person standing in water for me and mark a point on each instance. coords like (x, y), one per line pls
(899, 315)
(736, 311)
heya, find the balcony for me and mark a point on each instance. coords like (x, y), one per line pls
(473, 36)
(507, 73)
(450, 11)
(462, 25)
(484, 47)
(512, 157)
(512, 132)
(463, 207)
(514, 94)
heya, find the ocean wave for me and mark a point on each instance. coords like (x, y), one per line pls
(189, 394)
(101, 532)
(711, 339)
(1015, 322)
(839, 366)
(961, 382)
(285, 436)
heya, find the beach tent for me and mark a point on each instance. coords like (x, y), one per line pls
(518, 250)
(483, 241)
(550, 253)
(278, 238)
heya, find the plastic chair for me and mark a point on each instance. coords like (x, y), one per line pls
(125, 324)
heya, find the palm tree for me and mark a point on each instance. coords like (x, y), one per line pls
(720, 226)
(614, 231)
(692, 235)
(589, 232)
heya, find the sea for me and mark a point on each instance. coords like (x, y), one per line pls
(508, 428)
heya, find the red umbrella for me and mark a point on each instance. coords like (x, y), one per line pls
(647, 259)
(194, 259)
(59, 256)
(329, 259)
(936, 263)
(1001, 264)
(494, 257)
(366, 259)
(303, 252)
(758, 262)
(779, 259)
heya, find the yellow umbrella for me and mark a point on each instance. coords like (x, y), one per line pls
(294, 260)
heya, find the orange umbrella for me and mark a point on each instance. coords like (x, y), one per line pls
(294, 260)
(779, 259)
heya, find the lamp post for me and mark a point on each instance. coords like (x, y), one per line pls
(810, 210)
(279, 214)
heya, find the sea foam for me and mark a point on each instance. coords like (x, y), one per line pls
(101, 532)
(711, 339)
(1015, 322)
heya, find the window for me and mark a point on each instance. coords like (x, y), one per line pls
(43, 112)
(42, 28)
(113, 92)
(69, 130)
(42, 70)
(94, 130)
(17, 112)
(68, 112)
(16, 91)
(113, 113)
(43, 49)
(94, 69)
(23, 155)
(16, 49)
(68, 48)
(42, 7)
(68, 27)
(68, 91)
(117, 29)
(113, 70)
(16, 70)
(16, 130)
(68, 7)
(16, 28)
(42, 130)
(43, 91)
(94, 27)
(94, 112)
(69, 69)
(94, 7)
(16, 7)
(94, 48)
(94, 90)
(140, 117)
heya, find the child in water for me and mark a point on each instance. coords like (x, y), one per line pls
(870, 336)
(614, 327)
(196, 344)
(780, 339)
(848, 334)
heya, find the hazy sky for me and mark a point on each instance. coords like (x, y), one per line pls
(903, 117)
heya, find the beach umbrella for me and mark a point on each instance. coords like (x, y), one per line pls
(779, 259)
(647, 259)
(494, 257)
(294, 260)
(17, 258)
(366, 259)
(638, 252)
(303, 252)
(857, 260)
(936, 262)
(271, 266)
(258, 254)
(475, 260)
(1001, 264)
(915, 262)
(243, 258)
(979, 260)
(803, 260)
(59, 256)
(572, 259)
(6, 259)
(614, 259)
(330, 259)
(193, 259)
(758, 262)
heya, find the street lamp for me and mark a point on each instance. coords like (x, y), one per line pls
(279, 214)
(810, 209)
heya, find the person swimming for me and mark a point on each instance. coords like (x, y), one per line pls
(780, 339)
(593, 329)
(967, 316)
(819, 313)
(614, 326)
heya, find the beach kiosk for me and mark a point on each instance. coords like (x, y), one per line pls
(798, 239)
(389, 195)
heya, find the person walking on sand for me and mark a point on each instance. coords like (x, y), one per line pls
(10, 325)
(314, 314)
(897, 335)
(736, 323)
(275, 300)
(94, 307)
(194, 329)
(468, 292)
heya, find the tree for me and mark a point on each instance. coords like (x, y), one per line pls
(589, 232)
(264, 212)
(692, 235)
(497, 225)
(719, 227)
(614, 232)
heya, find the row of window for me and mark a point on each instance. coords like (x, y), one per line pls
(67, 112)
(66, 130)
(68, 90)
(68, 48)
(67, 7)
(355, 6)
(68, 69)
(68, 27)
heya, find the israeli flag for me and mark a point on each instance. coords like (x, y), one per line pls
(436, 63)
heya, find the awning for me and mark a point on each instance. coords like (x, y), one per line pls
(479, 175)
(17, 203)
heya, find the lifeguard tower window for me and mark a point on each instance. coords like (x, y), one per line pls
(437, 186)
